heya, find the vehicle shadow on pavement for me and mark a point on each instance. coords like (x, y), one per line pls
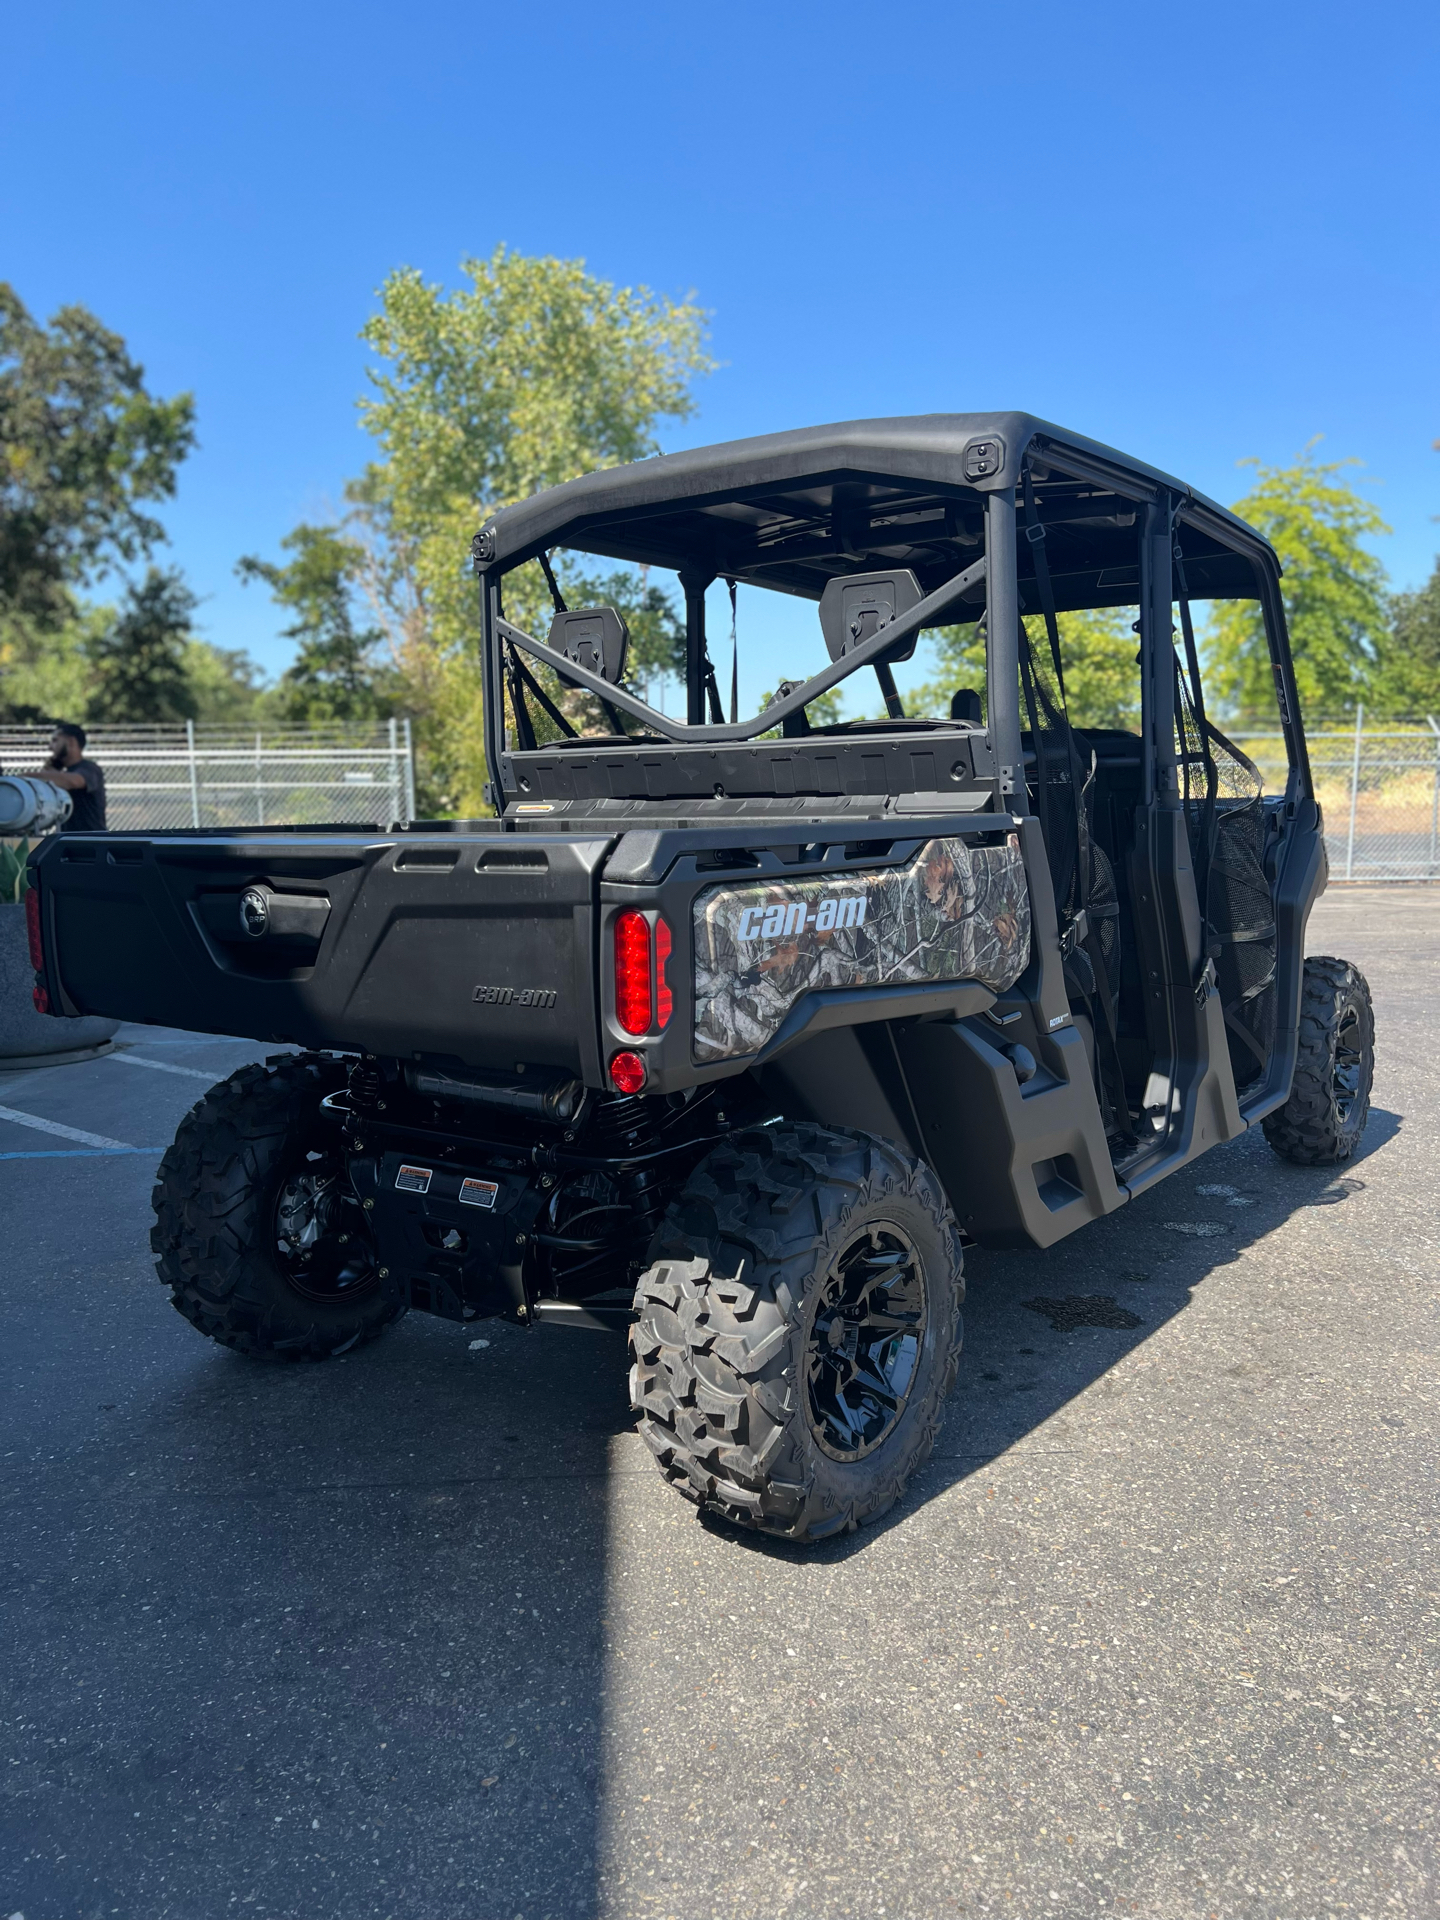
(1042, 1328)
(331, 1637)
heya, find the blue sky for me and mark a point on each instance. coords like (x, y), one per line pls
(1197, 233)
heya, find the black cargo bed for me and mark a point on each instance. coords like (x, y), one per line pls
(475, 946)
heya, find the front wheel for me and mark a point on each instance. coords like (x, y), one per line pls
(257, 1235)
(797, 1339)
(1321, 1123)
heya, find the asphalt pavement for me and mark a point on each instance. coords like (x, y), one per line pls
(420, 1632)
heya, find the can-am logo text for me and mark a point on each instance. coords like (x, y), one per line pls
(515, 996)
(774, 923)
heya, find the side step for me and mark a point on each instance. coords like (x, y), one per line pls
(600, 1316)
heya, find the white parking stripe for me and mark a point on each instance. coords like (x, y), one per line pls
(162, 1066)
(54, 1126)
(190, 1040)
(80, 1153)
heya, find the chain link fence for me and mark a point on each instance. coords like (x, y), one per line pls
(189, 776)
(1378, 782)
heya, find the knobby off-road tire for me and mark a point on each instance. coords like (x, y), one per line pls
(1321, 1123)
(742, 1330)
(242, 1153)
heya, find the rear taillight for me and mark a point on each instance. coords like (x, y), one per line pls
(40, 999)
(627, 1072)
(664, 998)
(633, 999)
(644, 1001)
(32, 927)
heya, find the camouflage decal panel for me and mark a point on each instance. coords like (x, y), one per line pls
(957, 912)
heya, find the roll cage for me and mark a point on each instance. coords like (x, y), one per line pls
(959, 501)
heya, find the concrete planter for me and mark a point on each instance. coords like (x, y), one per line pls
(27, 1038)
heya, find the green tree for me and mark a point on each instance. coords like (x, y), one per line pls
(1336, 604)
(83, 447)
(533, 373)
(1097, 650)
(139, 659)
(957, 657)
(48, 673)
(225, 684)
(52, 674)
(334, 676)
(1408, 681)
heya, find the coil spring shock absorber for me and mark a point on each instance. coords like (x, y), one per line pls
(627, 1126)
(365, 1084)
(643, 1196)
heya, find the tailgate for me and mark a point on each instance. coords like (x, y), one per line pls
(476, 946)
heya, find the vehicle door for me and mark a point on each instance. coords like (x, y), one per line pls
(1245, 787)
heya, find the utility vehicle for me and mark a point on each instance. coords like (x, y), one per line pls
(733, 1031)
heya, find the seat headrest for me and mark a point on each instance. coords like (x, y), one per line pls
(856, 605)
(593, 637)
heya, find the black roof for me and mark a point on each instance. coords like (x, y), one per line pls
(788, 510)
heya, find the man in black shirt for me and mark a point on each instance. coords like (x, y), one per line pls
(85, 783)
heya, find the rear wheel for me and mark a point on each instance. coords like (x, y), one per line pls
(799, 1334)
(1322, 1121)
(257, 1234)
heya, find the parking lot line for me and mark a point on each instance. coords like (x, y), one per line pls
(78, 1153)
(64, 1133)
(162, 1066)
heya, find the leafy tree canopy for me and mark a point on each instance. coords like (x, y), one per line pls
(83, 447)
(1336, 604)
(334, 676)
(139, 659)
(532, 373)
(226, 686)
(1097, 651)
(1408, 681)
(51, 674)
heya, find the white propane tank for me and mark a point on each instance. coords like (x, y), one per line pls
(31, 806)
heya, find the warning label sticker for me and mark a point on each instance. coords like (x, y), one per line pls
(414, 1179)
(478, 1193)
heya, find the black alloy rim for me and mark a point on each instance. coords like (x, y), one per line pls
(321, 1246)
(865, 1340)
(1347, 1079)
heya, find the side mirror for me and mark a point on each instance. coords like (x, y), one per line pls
(856, 605)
